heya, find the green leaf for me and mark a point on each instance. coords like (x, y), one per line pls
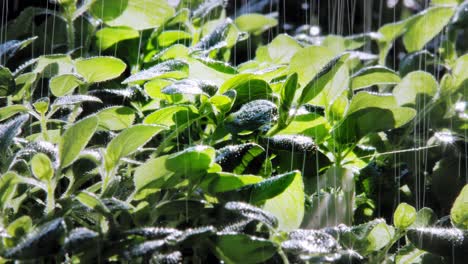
(8, 183)
(75, 139)
(288, 207)
(424, 218)
(115, 118)
(330, 82)
(404, 216)
(459, 212)
(240, 248)
(176, 69)
(374, 75)
(109, 36)
(61, 85)
(152, 176)
(264, 190)
(288, 92)
(11, 110)
(128, 141)
(308, 62)
(100, 69)
(460, 76)
(225, 181)
(369, 113)
(150, 13)
(168, 37)
(426, 27)
(17, 230)
(191, 161)
(415, 88)
(7, 82)
(280, 51)
(42, 167)
(251, 116)
(172, 115)
(93, 202)
(308, 124)
(248, 87)
(51, 65)
(255, 24)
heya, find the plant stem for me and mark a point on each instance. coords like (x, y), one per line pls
(43, 122)
(50, 198)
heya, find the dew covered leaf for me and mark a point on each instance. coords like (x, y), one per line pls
(248, 158)
(44, 241)
(75, 139)
(252, 212)
(291, 143)
(11, 47)
(81, 239)
(100, 69)
(8, 131)
(240, 248)
(252, 116)
(74, 99)
(310, 242)
(440, 241)
(374, 75)
(150, 13)
(169, 69)
(224, 35)
(248, 87)
(189, 86)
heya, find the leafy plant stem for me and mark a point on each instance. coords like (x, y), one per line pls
(43, 122)
(50, 198)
